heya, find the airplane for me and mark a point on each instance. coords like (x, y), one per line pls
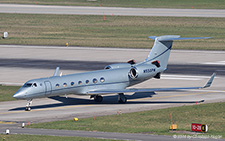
(113, 79)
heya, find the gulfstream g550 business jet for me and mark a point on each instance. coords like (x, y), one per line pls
(114, 78)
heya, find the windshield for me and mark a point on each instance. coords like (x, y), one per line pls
(27, 85)
(30, 85)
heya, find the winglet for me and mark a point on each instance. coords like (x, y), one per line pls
(56, 73)
(208, 84)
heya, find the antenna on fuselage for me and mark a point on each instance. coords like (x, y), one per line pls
(56, 73)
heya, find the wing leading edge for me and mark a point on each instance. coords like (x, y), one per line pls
(208, 84)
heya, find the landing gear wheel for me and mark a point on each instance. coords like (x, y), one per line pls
(27, 109)
(29, 102)
(122, 98)
(98, 98)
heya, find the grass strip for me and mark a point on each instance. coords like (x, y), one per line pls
(6, 92)
(186, 4)
(46, 138)
(154, 121)
(115, 31)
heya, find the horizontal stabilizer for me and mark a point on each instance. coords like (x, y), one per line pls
(174, 37)
(108, 91)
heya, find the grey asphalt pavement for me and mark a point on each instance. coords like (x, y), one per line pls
(21, 63)
(83, 10)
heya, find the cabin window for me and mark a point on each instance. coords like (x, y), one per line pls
(102, 79)
(80, 82)
(40, 84)
(95, 80)
(57, 85)
(64, 84)
(72, 83)
(87, 81)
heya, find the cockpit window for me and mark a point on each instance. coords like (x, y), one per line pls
(30, 85)
(27, 85)
(34, 84)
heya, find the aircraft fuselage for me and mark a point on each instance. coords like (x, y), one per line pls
(82, 83)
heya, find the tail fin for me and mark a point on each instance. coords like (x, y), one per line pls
(161, 49)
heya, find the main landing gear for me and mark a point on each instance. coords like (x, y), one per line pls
(97, 98)
(122, 98)
(29, 102)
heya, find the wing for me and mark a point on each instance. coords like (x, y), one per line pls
(108, 91)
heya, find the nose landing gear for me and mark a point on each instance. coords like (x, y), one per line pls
(29, 102)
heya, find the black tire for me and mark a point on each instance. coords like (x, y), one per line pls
(27, 109)
(98, 98)
(123, 101)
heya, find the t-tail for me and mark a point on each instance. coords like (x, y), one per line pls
(161, 49)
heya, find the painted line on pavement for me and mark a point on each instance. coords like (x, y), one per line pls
(76, 106)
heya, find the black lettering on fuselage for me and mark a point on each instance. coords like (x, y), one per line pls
(149, 70)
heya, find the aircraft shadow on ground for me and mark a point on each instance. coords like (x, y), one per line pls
(112, 99)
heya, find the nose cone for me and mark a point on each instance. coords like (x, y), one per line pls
(20, 94)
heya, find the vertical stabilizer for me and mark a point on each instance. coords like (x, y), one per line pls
(161, 49)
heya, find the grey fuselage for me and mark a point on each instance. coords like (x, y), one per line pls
(116, 76)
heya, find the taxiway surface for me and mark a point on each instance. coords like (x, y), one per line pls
(22, 63)
(83, 10)
(186, 68)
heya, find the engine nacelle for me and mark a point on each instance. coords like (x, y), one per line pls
(119, 65)
(143, 71)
